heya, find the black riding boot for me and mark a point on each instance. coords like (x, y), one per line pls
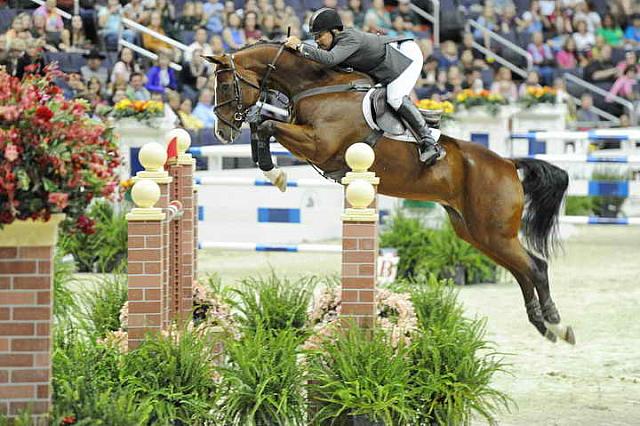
(429, 149)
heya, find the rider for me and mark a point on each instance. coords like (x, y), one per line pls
(394, 61)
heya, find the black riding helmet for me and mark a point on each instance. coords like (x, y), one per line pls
(325, 19)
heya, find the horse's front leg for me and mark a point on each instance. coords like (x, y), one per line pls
(299, 139)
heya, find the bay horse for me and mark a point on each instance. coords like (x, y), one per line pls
(481, 191)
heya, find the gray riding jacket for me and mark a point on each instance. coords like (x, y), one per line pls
(364, 52)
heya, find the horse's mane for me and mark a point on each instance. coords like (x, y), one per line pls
(316, 67)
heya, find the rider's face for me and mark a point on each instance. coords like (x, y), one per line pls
(324, 40)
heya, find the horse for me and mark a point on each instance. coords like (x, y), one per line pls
(482, 192)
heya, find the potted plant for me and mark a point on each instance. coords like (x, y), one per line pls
(54, 159)
(538, 95)
(469, 98)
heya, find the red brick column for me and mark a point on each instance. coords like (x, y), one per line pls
(359, 238)
(182, 242)
(26, 287)
(148, 227)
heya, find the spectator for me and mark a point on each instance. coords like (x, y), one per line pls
(355, 6)
(31, 61)
(567, 58)
(14, 33)
(586, 113)
(94, 67)
(449, 57)
(584, 12)
(167, 16)
(199, 43)
(94, 93)
(233, 34)
(75, 39)
(630, 60)
(467, 45)
(54, 23)
(632, 33)
(135, 11)
(489, 20)
(269, 29)
(507, 20)
(378, 16)
(533, 80)
(217, 46)
(429, 72)
(109, 23)
(250, 25)
(136, 90)
(125, 66)
(601, 69)
(408, 16)
(504, 85)
(75, 84)
(584, 39)
(39, 32)
(190, 73)
(280, 11)
(118, 96)
(442, 90)
(188, 120)
(188, 21)
(399, 28)
(347, 18)
(212, 11)
(152, 43)
(562, 96)
(470, 77)
(161, 76)
(542, 58)
(625, 86)
(532, 19)
(204, 109)
(611, 31)
(454, 79)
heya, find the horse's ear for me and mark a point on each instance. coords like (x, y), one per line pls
(217, 59)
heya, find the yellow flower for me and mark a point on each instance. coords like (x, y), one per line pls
(123, 104)
(461, 97)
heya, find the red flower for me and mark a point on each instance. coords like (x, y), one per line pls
(69, 420)
(86, 225)
(44, 113)
(59, 199)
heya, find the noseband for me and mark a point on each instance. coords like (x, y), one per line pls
(241, 111)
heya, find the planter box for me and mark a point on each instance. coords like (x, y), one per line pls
(31, 233)
(542, 117)
(134, 134)
(478, 125)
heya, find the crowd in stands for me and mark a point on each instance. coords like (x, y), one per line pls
(599, 43)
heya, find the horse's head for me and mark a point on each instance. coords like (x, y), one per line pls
(236, 91)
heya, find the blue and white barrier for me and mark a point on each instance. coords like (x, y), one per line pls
(243, 181)
(587, 158)
(594, 220)
(604, 188)
(285, 248)
(591, 135)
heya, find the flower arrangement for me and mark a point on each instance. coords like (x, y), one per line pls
(538, 95)
(53, 157)
(468, 98)
(141, 110)
(445, 107)
(396, 315)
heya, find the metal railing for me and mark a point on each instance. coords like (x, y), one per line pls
(628, 105)
(434, 19)
(141, 28)
(499, 39)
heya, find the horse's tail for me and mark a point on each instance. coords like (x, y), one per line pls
(544, 187)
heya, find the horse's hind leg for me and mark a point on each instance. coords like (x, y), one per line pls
(511, 255)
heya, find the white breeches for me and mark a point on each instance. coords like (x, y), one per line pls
(404, 84)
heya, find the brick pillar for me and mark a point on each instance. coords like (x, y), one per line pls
(182, 233)
(26, 288)
(146, 262)
(359, 238)
(196, 223)
(153, 157)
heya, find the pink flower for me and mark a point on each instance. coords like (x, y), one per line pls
(60, 199)
(11, 153)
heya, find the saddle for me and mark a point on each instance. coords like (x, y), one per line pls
(387, 119)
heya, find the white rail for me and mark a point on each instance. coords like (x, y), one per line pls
(434, 19)
(147, 53)
(61, 12)
(498, 38)
(134, 25)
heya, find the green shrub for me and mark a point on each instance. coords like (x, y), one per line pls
(174, 378)
(64, 304)
(274, 303)
(102, 305)
(106, 249)
(438, 251)
(452, 363)
(263, 381)
(359, 373)
(578, 205)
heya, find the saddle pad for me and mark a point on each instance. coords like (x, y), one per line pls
(368, 116)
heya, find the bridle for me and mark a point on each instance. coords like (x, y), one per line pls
(243, 112)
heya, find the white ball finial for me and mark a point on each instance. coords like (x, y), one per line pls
(145, 193)
(182, 136)
(360, 194)
(153, 156)
(359, 157)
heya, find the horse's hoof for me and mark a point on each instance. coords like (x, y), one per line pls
(281, 181)
(569, 336)
(551, 336)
